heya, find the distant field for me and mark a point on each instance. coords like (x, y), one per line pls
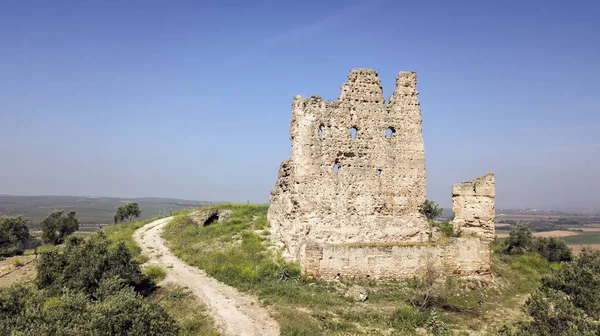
(556, 233)
(587, 229)
(583, 238)
(91, 210)
(577, 248)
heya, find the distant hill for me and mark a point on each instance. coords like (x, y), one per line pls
(91, 210)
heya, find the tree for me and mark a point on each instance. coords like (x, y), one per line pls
(130, 211)
(431, 210)
(520, 239)
(14, 235)
(56, 227)
(553, 248)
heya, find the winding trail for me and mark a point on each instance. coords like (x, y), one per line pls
(235, 313)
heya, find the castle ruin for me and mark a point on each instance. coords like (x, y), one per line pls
(347, 201)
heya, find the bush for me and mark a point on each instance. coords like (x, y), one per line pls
(431, 210)
(14, 235)
(520, 240)
(17, 262)
(567, 303)
(86, 288)
(155, 273)
(56, 227)
(27, 311)
(553, 248)
(446, 228)
(84, 263)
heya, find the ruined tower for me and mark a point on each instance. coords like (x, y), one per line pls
(355, 178)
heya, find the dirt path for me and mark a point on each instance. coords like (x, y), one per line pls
(235, 313)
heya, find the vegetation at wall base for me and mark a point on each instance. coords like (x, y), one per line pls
(238, 252)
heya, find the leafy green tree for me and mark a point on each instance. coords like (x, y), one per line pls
(128, 212)
(553, 248)
(431, 210)
(14, 235)
(567, 302)
(56, 227)
(520, 239)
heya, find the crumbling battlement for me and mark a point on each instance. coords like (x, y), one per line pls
(474, 207)
(356, 175)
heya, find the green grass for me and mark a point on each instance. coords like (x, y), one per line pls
(155, 272)
(190, 313)
(583, 238)
(234, 253)
(17, 262)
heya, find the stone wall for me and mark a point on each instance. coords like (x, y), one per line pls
(459, 256)
(474, 206)
(347, 200)
(357, 168)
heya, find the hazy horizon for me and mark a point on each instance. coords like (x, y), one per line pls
(193, 100)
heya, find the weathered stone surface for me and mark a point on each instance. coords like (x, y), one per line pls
(474, 207)
(207, 216)
(347, 201)
(339, 189)
(357, 293)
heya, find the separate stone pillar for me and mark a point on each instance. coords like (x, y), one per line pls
(474, 207)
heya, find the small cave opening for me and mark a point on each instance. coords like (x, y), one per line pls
(213, 218)
(353, 132)
(378, 171)
(320, 132)
(389, 132)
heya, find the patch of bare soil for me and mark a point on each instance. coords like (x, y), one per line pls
(235, 313)
(577, 248)
(586, 229)
(10, 275)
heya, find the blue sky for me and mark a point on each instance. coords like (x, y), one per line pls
(192, 99)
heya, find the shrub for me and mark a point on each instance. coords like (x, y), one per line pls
(435, 326)
(56, 227)
(553, 248)
(84, 263)
(567, 303)
(155, 273)
(520, 240)
(446, 228)
(430, 209)
(14, 235)
(27, 311)
(17, 262)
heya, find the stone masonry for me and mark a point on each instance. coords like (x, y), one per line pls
(347, 201)
(473, 206)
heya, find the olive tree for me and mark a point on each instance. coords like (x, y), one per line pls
(14, 235)
(128, 212)
(56, 227)
(431, 209)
